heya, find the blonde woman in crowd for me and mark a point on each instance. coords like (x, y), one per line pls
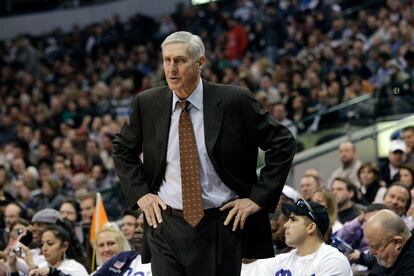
(109, 242)
(325, 197)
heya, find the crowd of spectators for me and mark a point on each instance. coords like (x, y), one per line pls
(64, 95)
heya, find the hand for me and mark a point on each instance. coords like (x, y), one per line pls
(150, 205)
(241, 209)
(12, 261)
(27, 256)
(354, 256)
(361, 217)
(44, 271)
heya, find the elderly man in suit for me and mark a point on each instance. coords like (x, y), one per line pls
(205, 208)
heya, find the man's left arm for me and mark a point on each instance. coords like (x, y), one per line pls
(279, 146)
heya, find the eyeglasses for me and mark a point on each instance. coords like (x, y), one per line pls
(381, 245)
(304, 204)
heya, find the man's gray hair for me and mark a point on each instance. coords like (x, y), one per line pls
(196, 45)
(390, 223)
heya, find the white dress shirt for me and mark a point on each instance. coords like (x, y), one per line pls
(214, 191)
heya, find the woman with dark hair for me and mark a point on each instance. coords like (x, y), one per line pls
(371, 188)
(406, 176)
(62, 251)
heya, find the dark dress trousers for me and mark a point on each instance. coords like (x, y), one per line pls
(235, 126)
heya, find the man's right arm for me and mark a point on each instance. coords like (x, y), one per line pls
(126, 148)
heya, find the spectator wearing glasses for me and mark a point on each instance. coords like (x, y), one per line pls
(391, 242)
(305, 230)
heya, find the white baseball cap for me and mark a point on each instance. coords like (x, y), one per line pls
(398, 145)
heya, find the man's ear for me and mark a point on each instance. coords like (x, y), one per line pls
(312, 227)
(201, 61)
(398, 240)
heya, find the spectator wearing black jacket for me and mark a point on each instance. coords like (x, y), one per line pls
(391, 242)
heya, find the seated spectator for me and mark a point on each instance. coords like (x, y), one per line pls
(100, 178)
(139, 234)
(12, 213)
(396, 157)
(325, 198)
(305, 230)
(129, 221)
(109, 242)
(280, 115)
(408, 136)
(129, 261)
(391, 242)
(50, 196)
(349, 164)
(345, 193)
(69, 210)
(61, 250)
(352, 231)
(406, 176)
(277, 220)
(308, 186)
(398, 199)
(371, 189)
(40, 221)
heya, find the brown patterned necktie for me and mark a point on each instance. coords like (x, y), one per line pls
(190, 175)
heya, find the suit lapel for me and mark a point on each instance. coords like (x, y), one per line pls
(213, 116)
(162, 120)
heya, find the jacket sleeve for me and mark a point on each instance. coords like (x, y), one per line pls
(366, 259)
(126, 148)
(279, 146)
(349, 231)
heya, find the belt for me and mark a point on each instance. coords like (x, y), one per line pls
(213, 212)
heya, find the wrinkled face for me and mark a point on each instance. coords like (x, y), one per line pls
(182, 70)
(128, 226)
(52, 248)
(396, 199)
(296, 229)
(308, 186)
(367, 176)
(385, 248)
(406, 177)
(107, 246)
(67, 211)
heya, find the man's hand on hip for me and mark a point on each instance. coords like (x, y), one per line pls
(241, 209)
(150, 205)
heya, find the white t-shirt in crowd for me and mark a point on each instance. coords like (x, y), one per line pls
(327, 261)
(72, 267)
(136, 267)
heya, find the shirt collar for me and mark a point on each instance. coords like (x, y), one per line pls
(195, 99)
